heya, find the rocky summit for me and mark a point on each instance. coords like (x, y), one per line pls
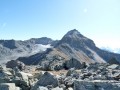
(72, 63)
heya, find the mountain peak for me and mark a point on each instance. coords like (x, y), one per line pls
(74, 34)
(74, 31)
(74, 38)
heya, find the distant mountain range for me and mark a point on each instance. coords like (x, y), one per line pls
(39, 50)
(12, 49)
(115, 50)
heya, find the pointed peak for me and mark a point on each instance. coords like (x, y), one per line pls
(74, 31)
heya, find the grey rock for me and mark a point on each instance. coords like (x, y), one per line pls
(50, 87)
(5, 76)
(96, 85)
(113, 66)
(73, 73)
(73, 63)
(70, 88)
(69, 81)
(46, 79)
(8, 86)
(52, 63)
(116, 76)
(14, 63)
(22, 79)
(42, 88)
(57, 88)
(70, 72)
(62, 86)
(45, 65)
(58, 66)
(100, 77)
(24, 76)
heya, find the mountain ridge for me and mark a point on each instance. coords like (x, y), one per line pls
(74, 45)
(12, 49)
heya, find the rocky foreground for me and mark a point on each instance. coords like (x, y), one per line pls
(91, 77)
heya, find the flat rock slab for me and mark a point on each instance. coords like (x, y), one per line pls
(113, 66)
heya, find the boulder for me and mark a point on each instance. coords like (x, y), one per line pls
(53, 63)
(15, 63)
(69, 81)
(8, 86)
(5, 75)
(45, 80)
(99, 77)
(116, 76)
(45, 65)
(73, 73)
(93, 67)
(73, 63)
(114, 66)
(22, 79)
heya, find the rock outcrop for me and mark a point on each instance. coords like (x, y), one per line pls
(14, 63)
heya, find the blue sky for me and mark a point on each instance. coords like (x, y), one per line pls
(99, 20)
